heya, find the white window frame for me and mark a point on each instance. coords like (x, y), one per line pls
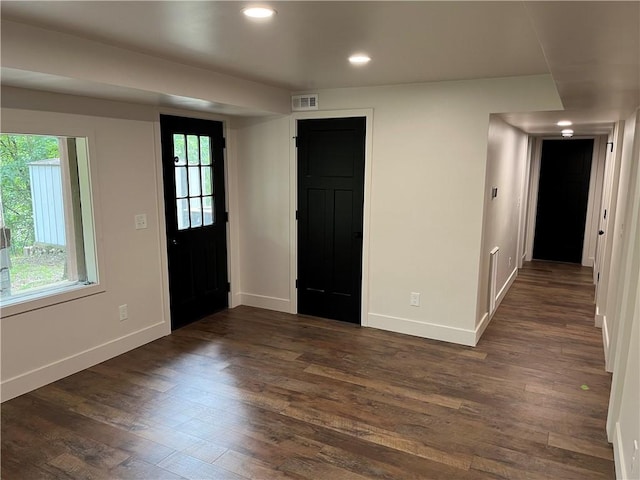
(47, 297)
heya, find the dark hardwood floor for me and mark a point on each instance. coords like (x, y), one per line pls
(255, 394)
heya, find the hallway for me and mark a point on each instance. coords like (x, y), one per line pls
(250, 393)
(544, 331)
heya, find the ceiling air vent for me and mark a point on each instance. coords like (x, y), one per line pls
(304, 102)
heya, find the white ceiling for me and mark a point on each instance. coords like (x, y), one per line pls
(592, 49)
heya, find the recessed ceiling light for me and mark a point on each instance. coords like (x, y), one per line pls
(564, 123)
(567, 135)
(259, 12)
(567, 131)
(359, 59)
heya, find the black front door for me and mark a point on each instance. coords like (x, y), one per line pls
(563, 193)
(330, 212)
(193, 166)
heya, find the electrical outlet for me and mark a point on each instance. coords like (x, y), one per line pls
(124, 312)
(414, 299)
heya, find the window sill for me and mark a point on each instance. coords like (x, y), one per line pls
(43, 298)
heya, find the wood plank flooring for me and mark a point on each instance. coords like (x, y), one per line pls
(254, 394)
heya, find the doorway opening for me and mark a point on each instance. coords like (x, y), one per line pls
(563, 195)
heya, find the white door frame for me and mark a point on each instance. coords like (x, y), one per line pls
(524, 203)
(606, 244)
(596, 182)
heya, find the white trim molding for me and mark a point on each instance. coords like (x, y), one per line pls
(486, 318)
(482, 326)
(505, 288)
(266, 302)
(36, 378)
(605, 343)
(599, 318)
(618, 455)
(428, 330)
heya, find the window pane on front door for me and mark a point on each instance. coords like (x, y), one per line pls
(194, 181)
(193, 149)
(205, 151)
(179, 152)
(194, 190)
(207, 188)
(196, 212)
(182, 189)
(182, 210)
(207, 210)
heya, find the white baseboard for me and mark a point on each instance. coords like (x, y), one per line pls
(422, 329)
(618, 455)
(486, 318)
(36, 378)
(268, 303)
(505, 288)
(588, 262)
(606, 339)
(235, 300)
(482, 326)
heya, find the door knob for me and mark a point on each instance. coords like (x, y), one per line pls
(601, 232)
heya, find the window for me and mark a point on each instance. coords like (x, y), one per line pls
(194, 181)
(47, 240)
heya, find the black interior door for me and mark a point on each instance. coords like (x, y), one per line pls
(193, 167)
(563, 195)
(330, 212)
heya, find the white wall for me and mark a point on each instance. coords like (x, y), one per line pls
(618, 226)
(43, 345)
(627, 427)
(623, 292)
(507, 163)
(427, 188)
(263, 191)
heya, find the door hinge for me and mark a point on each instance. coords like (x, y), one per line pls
(605, 213)
(296, 283)
(226, 217)
(224, 142)
(228, 286)
(296, 139)
(297, 215)
(598, 277)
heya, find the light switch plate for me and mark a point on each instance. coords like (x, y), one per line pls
(414, 299)
(141, 221)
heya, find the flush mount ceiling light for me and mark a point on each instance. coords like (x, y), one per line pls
(567, 131)
(359, 59)
(259, 12)
(564, 123)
